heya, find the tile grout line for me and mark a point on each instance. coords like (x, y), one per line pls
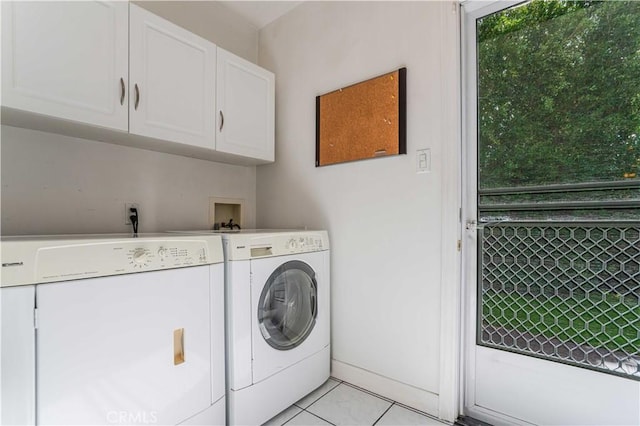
(382, 415)
(321, 418)
(353, 387)
(415, 410)
(422, 413)
(313, 402)
(391, 402)
(369, 392)
(319, 398)
(296, 415)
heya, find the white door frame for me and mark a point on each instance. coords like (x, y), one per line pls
(449, 396)
(470, 11)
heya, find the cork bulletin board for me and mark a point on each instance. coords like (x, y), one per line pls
(365, 120)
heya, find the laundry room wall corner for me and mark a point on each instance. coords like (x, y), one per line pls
(393, 249)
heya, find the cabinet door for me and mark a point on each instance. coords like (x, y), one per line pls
(67, 60)
(246, 104)
(172, 77)
(106, 348)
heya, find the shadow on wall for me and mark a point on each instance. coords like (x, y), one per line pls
(291, 192)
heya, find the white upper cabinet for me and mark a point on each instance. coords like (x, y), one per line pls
(245, 104)
(112, 65)
(172, 78)
(67, 60)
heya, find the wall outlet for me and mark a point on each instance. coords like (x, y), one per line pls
(127, 212)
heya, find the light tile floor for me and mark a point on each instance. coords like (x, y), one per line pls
(340, 403)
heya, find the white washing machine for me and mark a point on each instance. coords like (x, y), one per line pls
(111, 329)
(278, 329)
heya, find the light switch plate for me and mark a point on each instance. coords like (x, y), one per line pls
(423, 160)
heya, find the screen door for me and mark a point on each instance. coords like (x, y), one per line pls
(552, 94)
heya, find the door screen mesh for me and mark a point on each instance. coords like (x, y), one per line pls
(567, 291)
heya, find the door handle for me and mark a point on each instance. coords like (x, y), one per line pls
(135, 106)
(471, 225)
(122, 91)
(221, 120)
(178, 346)
(314, 305)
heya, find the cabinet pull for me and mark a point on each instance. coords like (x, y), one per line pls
(221, 120)
(178, 346)
(122, 90)
(135, 106)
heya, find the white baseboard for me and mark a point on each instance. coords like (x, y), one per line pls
(408, 395)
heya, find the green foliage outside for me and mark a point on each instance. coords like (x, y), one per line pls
(559, 103)
(577, 284)
(597, 320)
(559, 93)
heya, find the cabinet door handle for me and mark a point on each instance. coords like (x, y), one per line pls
(122, 90)
(135, 106)
(221, 120)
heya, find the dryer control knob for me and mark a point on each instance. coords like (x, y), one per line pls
(292, 244)
(163, 252)
(140, 256)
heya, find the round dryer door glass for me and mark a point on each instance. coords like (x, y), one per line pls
(288, 305)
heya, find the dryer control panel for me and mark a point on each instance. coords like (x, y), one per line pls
(35, 261)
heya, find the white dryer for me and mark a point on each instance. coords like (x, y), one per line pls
(278, 330)
(102, 329)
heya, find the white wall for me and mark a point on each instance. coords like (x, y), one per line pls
(391, 230)
(54, 184)
(211, 20)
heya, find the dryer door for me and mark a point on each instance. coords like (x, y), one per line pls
(288, 306)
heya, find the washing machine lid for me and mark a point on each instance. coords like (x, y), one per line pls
(287, 308)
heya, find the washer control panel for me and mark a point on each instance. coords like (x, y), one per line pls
(252, 246)
(303, 244)
(29, 263)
